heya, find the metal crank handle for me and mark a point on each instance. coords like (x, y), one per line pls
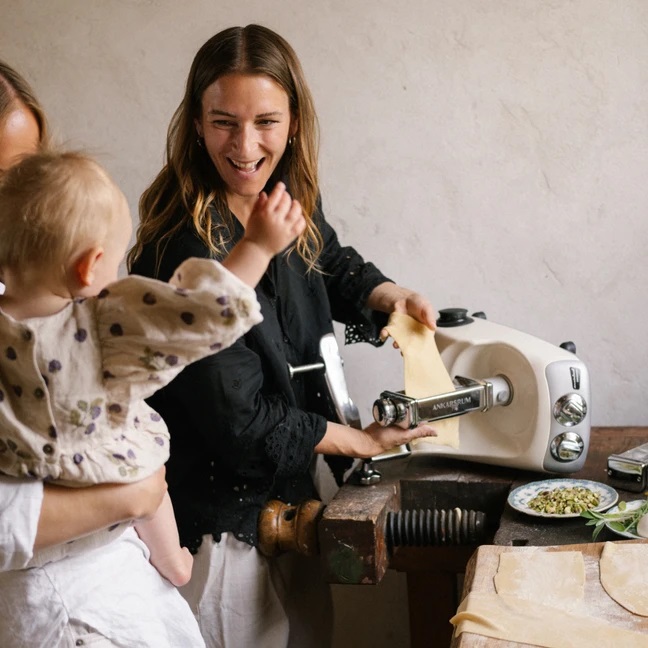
(315, 366)
(347, 412)
(346, 409)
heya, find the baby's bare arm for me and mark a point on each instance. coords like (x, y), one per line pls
(160, 535)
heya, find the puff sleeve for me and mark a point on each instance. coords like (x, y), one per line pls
(151, 330)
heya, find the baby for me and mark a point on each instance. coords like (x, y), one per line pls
(81, 350)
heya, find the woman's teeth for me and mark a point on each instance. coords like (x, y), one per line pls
(245, 166)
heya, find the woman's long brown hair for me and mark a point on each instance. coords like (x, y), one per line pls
(189, 184)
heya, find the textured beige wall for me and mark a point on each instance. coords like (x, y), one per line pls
(489, 153)
(492, 154)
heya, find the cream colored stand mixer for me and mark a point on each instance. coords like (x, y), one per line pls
(523, 402)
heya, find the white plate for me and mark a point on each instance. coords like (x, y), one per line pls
(520, 497)
(630, 506)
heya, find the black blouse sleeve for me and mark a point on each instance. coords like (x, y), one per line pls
(251, 432)
(349, 281)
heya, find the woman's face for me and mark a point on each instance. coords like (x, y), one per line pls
(19, 136)
(245, 123)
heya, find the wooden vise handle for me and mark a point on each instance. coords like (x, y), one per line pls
(283, 527)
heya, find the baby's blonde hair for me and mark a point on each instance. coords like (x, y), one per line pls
(54, 206)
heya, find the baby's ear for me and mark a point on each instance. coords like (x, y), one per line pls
(85, 265)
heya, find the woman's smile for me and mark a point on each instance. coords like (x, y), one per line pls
(246, 167)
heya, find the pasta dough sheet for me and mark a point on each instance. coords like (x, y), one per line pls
(515, 619)
(425, 373)
(624, 575)
(557, 577)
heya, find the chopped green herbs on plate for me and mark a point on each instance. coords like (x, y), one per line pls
(622, 519)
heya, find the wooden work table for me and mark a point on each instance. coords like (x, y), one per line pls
(352, 535)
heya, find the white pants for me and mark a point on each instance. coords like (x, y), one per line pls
(78, 634)
(242, 599)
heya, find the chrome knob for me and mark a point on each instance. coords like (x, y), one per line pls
(384, 412)
(367, 474)
(570, 409)
(567, 446)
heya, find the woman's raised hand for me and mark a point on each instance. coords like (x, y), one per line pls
(417, 307)
(276, 220)
(388, 298)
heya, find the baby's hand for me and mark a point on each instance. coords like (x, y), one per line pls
(276, 220)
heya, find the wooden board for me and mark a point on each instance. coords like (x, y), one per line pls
(483, 566)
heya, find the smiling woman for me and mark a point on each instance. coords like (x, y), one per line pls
(244, 431)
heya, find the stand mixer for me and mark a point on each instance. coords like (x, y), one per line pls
(524, 402)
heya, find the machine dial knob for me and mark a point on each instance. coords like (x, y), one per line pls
(570, 409)
(449, 317)
(567, 446)
(384, 412)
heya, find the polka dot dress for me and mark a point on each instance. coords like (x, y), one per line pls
(72, 386)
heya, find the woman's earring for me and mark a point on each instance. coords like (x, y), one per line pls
(200, 142)
(290, 141)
